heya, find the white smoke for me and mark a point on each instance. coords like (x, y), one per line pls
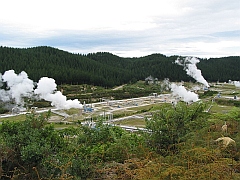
(237, 83)
(189, 64)
(19, 86)
(165, 85)
(46, 89)
(185, 95)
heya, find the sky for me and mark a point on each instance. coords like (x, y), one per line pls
(127, 28)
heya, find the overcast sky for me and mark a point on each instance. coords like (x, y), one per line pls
(128, 28)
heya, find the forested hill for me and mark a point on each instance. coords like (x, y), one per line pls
(106, 69)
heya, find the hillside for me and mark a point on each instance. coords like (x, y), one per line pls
(107, 70)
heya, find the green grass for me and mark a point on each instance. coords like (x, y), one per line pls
(122, 113)
(146, 108)
(220, 108)
(225, 86)
(62, 125)
(141, 108)
(72, 111)
(14, 118)
(132, 122)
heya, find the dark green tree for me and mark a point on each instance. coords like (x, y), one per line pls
(27, 144)
(170, 125)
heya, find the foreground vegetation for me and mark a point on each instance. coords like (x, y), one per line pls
(178, 144)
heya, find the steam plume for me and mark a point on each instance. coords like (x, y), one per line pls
(19, 86)
(46, 89)
(185, 95)
(237, 83)
(189, 64)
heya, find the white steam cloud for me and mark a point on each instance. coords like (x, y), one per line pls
(46, 89)
(181, 92)
(19, 86)
(237, 83)
(189, 64)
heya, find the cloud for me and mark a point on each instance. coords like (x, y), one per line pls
(127, 28)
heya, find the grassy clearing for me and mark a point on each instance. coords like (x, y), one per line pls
(62, 125)
(72, 111)
(224, 85)
(122, 113)
(146, 108)
(220, 108)
(141, 108)
(23, 118)
(135, 121)
(132, 122)
(14, 118)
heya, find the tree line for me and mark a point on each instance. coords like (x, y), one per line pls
(108, 70)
